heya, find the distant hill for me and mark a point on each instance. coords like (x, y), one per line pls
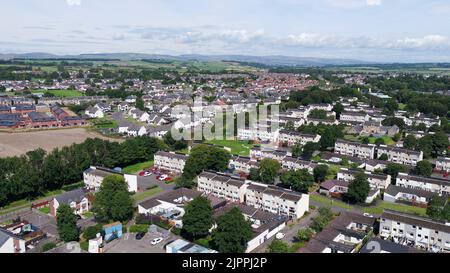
(265, 60)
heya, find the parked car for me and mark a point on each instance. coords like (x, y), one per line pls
(280, 235)
(368, 215)
(147, 174)
(157, 241)
(139, 235)
(142, 173)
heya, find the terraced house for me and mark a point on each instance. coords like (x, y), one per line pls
(292, 138)
(429, 184)
(242, 164)
(268, 198)
(222, 186)
(376, 181)
(400, 156)
(356, 149)
(292, 164)
(170, 161)
(407, 229)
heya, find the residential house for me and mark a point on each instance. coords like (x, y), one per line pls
(354, 149)
(292, 137)
(377, 181)
(412, 230)
(170, 161)
(93, 178)
(400, 156)
(76, 199)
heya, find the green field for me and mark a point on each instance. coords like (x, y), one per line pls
(382, 205)
(23, 203)
(137, 167)
(104, 123)
(60, 93)
(241, 148)
(387, 140)
(142, 195)
(329, 201)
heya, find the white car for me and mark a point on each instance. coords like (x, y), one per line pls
(147, 174)
(280, 235)
(368, 215)
(162, 177)
(157, 241)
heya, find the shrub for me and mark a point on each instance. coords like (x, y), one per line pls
(91, 232)
(304, 235)
(48, 246)
(139, 228)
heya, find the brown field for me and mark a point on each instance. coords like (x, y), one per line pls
(12, 144)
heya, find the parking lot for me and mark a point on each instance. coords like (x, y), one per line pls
(145, 182)
(129, 244)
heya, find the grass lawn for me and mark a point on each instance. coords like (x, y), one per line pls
(88, 214)
(142, 195)
(379, 208)
(104, 123)
(332, 171)
(387, 140)
(45, 210)
(23, 203)
(237, 147)
(351, 138)
(329, 201)
(61, 93)
(401, 106)
(137, 167)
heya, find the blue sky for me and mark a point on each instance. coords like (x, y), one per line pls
(373, 30)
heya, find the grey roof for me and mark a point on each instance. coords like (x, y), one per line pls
(415, 220)
(388, 246)
(394, 190)
(71, 196)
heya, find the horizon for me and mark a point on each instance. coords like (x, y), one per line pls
(381, 31)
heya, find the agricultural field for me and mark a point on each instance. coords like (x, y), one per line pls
(18, 143)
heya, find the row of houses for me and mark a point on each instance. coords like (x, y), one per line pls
(370, 151)
(269, 198)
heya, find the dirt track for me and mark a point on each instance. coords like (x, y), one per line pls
(12, 144)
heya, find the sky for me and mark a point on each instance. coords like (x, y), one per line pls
(369, 30)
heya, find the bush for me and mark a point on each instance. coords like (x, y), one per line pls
(84, 245)
(139, 228)
(304, 235)
(48, 246)
(91, 232)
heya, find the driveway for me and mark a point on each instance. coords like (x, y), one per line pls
(290, 230)
(147, 182)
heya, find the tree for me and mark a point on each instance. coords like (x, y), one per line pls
(328, 138)
(393, 169)
(278, 246)
(423, 168)
(338, 108)
(320, 173)
(66, 222)
(204, 157)
(410, 142)
(268, 170)
(113, 201)
(198, 218)
(304, 235)
(174, 144)
(309, 149)
(297, 150)
(233, 232)
(358, 188)
(318, 114)
(439, 208)
(440, 143)
(92, 231)
(298, 180)
(384, 157)
(254, 174)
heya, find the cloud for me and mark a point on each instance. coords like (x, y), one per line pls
(73, 2)
(373, 2)
(316, 40)
(354, 3)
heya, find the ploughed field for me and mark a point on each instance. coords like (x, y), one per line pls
(12, 144)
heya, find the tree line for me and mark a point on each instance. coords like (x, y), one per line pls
(37, 172)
